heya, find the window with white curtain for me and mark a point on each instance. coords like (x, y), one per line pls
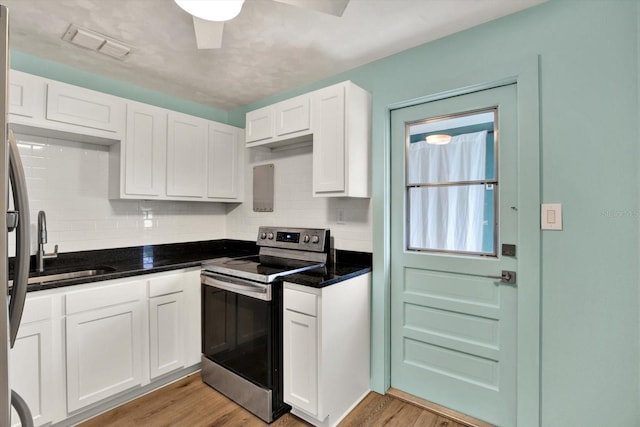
(451, 183)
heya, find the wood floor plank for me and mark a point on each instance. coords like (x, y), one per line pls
(191, 403)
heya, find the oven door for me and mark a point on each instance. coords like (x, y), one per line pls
(238, 326)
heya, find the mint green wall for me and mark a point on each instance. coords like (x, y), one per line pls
(589, 138)
(64, 73)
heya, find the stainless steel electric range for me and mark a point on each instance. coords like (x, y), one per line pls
(242, 316)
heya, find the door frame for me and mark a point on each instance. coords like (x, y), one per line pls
(525, 74)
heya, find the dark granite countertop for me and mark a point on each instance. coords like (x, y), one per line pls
(132, 261)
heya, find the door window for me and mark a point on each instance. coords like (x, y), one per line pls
(451, 180)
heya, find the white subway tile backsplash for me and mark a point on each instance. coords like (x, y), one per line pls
(69, 181)
(295, 206)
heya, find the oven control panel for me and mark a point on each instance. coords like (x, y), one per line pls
(306, 239)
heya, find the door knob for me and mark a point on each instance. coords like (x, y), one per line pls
(506, 277)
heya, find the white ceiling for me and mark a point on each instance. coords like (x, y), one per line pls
(269, 48)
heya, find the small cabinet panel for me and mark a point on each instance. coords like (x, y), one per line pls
(292, 115)
(259, 124)
(301, 361)
(225, 161)
(145, 150)
(23, 94)
(166, 326)
(33, 363)
(186, 156)
(84, 107)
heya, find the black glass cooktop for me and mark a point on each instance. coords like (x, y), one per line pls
(259, 268)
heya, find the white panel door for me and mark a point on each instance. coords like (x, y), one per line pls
(145, 150)
(104, 353)
(166, 329)
(300, 352)
(31, 374)
(329, 140)
(186, 156)
(23, 90)
(453, 322)
(259, 124)
(292, 115)
(84, 107)
(223, 162)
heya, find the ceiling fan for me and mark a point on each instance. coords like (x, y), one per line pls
(209, 16)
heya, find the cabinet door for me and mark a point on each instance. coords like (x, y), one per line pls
(32, 370)
(259, 124)
(84, 107)
(166, 326)
(104, 353)
(292, 115)
(145, 150)
(224, 162)
(329, 140)
(23, 100)
(186, 156)
(32, 361)
(300, 361)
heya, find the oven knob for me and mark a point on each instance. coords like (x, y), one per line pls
(315, 239)
(270, 236)
(263, 235)
(306, 238)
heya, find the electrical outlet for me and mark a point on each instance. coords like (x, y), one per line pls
(340, 217)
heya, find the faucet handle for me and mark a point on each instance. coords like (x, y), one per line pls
(53, 254)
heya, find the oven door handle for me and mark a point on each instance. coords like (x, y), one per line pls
(237, 286)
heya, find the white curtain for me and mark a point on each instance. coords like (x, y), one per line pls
(449, 217)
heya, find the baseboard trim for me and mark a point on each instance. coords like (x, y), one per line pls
(438, 409)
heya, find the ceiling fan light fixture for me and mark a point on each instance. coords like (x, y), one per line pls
(438, 139)
(212, 10)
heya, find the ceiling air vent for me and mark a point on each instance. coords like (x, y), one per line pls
(97, 42)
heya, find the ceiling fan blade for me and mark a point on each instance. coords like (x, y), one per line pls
(332, 7)
(208, 33)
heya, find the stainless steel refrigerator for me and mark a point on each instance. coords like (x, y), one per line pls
(16, 222)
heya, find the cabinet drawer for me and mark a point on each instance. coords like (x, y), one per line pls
(300, 302)
(165, 285)
(104, 296)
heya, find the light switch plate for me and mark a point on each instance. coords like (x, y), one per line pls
(551, 216)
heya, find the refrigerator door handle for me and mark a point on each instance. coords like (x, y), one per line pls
(23, 250)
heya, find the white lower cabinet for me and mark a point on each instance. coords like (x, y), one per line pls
(34, 361)
(81, 345)
(166, 324)
(326, 349)
(105, 331)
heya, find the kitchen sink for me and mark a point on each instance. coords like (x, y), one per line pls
(67, 275)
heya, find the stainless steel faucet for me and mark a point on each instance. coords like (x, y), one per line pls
(42, 239)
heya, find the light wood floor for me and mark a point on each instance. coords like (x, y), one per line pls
(190, 403)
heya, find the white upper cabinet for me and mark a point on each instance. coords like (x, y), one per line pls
(341, 117)
(292, 115)
(225, 162)
(260, 125)
(145, 151)
(279, 124)
(338, 118)
(83, 107)
(154, 153)
(24, 93)
(186, 156)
